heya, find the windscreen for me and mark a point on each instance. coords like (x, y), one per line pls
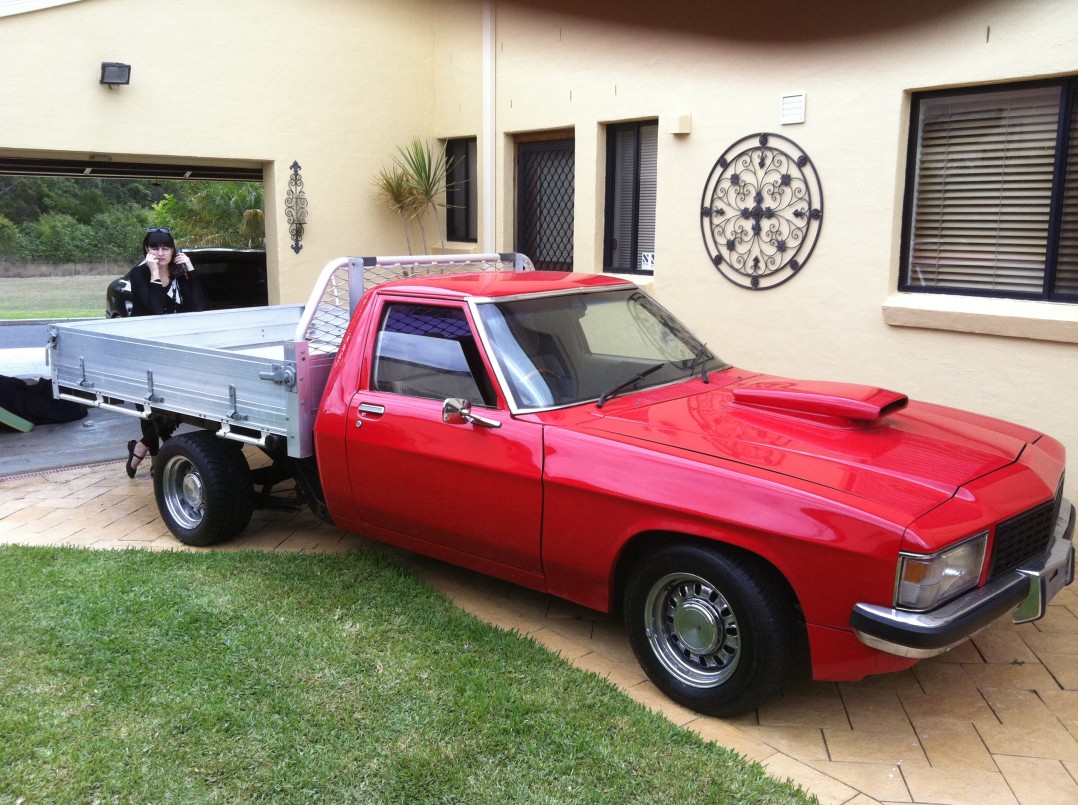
(554, 351)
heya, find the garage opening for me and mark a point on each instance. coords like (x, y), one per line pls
(70, 228)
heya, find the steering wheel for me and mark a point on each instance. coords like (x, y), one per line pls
(544, 371)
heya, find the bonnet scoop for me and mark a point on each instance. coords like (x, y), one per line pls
(818, 398)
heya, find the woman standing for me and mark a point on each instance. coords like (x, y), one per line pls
(164, 282)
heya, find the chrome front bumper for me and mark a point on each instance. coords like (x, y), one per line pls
(1025, 590)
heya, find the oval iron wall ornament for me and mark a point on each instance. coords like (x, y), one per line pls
(761, 211)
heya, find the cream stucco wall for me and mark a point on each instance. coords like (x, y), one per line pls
(335, 85)
(563, 64)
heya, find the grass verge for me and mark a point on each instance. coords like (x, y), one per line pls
(53, 297)
(244, 677)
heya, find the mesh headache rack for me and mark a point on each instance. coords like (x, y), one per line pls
(343, 281)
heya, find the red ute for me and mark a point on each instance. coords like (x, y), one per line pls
(566, 433)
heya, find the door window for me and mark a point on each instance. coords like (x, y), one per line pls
(430, 351)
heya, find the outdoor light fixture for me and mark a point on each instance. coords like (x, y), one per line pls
(295, 207)
(115, 73)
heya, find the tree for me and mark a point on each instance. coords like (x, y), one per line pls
(216, 214)
(427, 176)
(116, 235)
(61, 219)
(414, 185)
(398, 195)
(26, 198)
(21, 199)
(57, 238)
(9, 238)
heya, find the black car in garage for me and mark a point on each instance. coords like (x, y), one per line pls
(230, 278)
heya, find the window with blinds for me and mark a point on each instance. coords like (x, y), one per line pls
(631, 177)
(1066, 277)
(991, 208)
(461, 190)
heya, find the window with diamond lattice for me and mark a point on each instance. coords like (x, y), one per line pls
(430, 351)
(992, 192)
(545, 203)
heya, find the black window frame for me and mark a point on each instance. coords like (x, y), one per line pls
(613, 131)
(461, 190)
(1063, 199)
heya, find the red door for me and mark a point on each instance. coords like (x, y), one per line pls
(447, 489)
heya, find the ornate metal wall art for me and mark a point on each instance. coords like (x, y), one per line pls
(761, 211)
(295, 207)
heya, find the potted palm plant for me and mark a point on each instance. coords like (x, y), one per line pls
(414, 185)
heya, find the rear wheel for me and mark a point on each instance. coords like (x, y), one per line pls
(203, 488)
(714, 631)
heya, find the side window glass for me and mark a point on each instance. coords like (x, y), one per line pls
(430, 352)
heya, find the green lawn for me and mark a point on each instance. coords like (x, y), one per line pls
(244, 677)
(53, 297)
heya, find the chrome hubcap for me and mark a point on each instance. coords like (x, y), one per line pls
(698, 626)
(183, 492)
(693, 630)
(192, 490)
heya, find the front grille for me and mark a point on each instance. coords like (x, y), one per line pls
(1023, 537)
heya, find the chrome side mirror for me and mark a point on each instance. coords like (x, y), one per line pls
(457, 411)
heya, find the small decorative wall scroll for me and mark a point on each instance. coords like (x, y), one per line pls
(295, 207)
(761, 211)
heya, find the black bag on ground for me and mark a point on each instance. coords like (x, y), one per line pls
(34, 402)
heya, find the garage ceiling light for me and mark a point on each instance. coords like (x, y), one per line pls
(113, 73)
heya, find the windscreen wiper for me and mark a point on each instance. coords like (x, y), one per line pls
(702, 355)
(632, 381)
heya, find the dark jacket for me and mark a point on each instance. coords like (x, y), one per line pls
(150, 299)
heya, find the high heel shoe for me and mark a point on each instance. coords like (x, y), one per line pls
(131, 467)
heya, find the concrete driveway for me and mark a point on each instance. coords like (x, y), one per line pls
(993, 721)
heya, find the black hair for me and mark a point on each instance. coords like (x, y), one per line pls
(156, 236)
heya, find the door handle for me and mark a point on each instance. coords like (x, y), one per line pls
(368, 411)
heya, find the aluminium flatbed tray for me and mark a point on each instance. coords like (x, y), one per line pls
(239, 371)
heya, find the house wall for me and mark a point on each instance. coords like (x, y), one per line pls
(338, 85)
(563, 64)
(334, 85)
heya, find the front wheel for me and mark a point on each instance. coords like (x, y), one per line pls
(203, 488)
(714, 631)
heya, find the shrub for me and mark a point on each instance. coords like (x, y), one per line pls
(57, 238)
(9, 238)
(117, 235)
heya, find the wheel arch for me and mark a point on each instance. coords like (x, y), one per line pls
(715, 626)
(648, 542)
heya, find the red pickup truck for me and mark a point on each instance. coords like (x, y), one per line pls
(566, 433)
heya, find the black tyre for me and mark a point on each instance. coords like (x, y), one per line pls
(203, 488)
(715, 632)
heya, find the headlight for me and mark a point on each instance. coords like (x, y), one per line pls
(925, 582)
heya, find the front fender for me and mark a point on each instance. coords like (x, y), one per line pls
(602, 495)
